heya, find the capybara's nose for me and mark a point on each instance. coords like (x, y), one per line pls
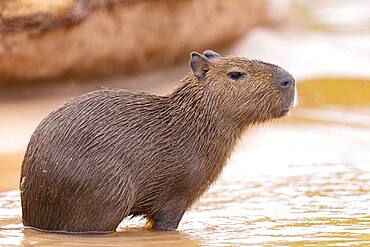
(285, 80)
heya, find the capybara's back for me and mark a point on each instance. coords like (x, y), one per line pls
(114, 153)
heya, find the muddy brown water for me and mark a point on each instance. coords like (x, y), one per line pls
(303, 180)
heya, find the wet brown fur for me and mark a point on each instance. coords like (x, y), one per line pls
(114, 153)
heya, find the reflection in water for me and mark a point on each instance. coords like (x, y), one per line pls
(304, 180)
(128, 238)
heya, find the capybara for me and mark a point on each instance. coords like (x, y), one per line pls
(113, 153)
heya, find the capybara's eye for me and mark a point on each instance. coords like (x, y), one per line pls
(235, 75)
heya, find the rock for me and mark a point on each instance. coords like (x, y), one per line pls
(42, 40)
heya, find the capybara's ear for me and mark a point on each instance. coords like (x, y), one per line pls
(211, 54)
(199, 65)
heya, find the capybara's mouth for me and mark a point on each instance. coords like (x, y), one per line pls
(291, 99)
(288, 103)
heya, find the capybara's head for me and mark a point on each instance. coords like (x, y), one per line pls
(249, 90)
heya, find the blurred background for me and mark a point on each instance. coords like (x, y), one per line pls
(302, 180)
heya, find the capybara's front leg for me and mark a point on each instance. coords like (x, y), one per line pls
(167, 219)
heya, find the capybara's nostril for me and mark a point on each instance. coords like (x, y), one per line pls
(285, 80)
(285, 83)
